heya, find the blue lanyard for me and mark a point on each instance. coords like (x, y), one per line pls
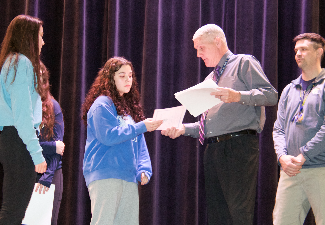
(216, 78)
(299, 116)
(224, 65)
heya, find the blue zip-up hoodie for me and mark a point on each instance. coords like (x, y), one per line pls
(53, 160)
(115, 146)
(307, 137)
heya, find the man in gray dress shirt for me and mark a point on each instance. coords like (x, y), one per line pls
(230, 128)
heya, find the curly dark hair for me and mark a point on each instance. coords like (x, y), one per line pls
(104, 84)
(22, 37)
(48, 117)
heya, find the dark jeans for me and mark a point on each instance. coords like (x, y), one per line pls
(58, 181)
(230, 179)
(19, 177)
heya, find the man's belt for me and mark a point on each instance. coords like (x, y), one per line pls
(226, 137)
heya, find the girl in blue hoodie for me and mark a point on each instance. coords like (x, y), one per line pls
(116, 155)
(51, 141)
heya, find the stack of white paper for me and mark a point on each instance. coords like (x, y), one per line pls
(197, 99)
(39, 210)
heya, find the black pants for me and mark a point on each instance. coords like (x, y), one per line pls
(230, 179)
(19, 177)
(58, 181)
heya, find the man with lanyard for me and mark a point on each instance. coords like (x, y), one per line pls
(230, 128)
(298, 136)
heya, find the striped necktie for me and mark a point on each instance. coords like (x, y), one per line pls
(215, 77)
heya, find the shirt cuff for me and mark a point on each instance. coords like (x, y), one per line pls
(44, 183)
(140, 127)
(190, 130)
(245, 97)
(37, 157)
(279, 155)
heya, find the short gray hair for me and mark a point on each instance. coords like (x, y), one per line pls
(210, 31)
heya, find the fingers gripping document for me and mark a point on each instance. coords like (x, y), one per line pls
(172, 117)
(39, 210)
(197, 99)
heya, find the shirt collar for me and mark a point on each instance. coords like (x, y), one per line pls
(224, 58)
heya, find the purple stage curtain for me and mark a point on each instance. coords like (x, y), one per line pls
(156, 36)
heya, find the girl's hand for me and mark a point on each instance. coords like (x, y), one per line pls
(144, 179)
(60, 147)
(41, 168)
(40, 188)
(151, 124)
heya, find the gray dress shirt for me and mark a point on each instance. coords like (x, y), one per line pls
(243, 73)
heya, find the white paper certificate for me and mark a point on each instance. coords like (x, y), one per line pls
(197, 99)
(39, 210)
(172, 117)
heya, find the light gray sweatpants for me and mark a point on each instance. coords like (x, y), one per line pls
(114, 202)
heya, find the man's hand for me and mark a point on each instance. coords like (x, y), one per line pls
(173, 132)
(290, 165)
(60, 147)
(41, 168)
(299, 160)
(151, 124)
(227, 95)
(40, 188)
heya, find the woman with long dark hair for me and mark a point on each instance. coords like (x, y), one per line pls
(51, 140)
(116, 155)
(20, 115)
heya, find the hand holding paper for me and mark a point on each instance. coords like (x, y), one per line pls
(226, 95)
(41, 188)
(152, 124)
(174, 132)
